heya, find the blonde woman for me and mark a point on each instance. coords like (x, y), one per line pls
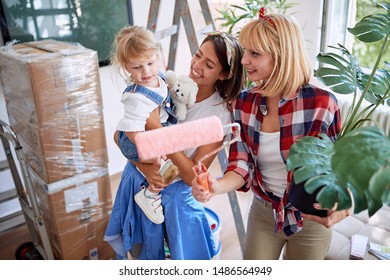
(280, 109)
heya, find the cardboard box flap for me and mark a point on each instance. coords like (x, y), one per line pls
(43, 50)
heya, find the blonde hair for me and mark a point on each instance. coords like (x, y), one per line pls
(283, 40)
(133, 42)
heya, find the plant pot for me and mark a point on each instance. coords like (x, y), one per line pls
(304, 201)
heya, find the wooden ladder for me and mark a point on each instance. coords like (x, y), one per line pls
(182, 11)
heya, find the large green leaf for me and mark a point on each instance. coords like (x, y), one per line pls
(338, 82)
(340, 72)
(380, 183)
(310, 160)
(372, 28)
(360, 162)
(360, 200)
(306, 172)
(373, 204)
(356, 160)
(330, 182)
(378, 87)
(327, 197)
(362, 149)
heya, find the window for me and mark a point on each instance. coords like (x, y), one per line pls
(367, 53)
(338, 15)
(92, 23)
(342, 14)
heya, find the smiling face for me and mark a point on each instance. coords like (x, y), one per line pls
(206, 69)
(144, 71)
(259, 65)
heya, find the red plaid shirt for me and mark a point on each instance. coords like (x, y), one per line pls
(311, 111)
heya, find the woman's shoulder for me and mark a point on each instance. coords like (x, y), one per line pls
(247, 93)
(313, 90)
(245, 98)
(321, 96)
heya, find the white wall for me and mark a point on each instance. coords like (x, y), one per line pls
(308, 13)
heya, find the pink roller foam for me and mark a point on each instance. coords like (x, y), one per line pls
(175, 138)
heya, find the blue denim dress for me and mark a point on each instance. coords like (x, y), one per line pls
(186, 228)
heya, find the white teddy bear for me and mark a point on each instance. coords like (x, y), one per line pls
(183, 92)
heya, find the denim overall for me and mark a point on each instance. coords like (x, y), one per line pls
(127, 147)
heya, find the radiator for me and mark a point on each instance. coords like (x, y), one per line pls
(380, 118)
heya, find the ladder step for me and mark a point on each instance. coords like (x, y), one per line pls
(8, 195)
(206, 29)
(11, 221)
(4, 165)
(166, 32)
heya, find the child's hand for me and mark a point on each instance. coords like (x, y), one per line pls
(152, 174)
(155, 189)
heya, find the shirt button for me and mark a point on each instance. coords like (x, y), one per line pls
(168, 104)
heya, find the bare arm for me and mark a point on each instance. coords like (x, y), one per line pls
(229, 182)
(185, 164)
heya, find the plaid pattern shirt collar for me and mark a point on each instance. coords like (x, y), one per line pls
(309, 112)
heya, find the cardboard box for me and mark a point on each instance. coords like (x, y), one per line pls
(73, 202)
(84, 243)
(57, 154)
(54, 103)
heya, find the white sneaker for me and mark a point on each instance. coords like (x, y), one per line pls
(150, 204)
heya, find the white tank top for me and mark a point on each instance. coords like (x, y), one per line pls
(272, 167)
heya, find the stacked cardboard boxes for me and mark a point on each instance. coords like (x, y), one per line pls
(54, 103)
(77, 210)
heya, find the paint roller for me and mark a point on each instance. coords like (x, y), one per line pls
(175, 138)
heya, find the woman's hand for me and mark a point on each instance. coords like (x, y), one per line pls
(230, 181)
(200, 193)
(333, 216)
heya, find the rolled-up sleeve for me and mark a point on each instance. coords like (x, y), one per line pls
(137, 109)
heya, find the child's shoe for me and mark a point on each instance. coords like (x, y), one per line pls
(150, 204)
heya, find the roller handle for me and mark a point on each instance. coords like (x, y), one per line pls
(201, 175)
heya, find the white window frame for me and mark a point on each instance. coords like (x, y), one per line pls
(338, 15)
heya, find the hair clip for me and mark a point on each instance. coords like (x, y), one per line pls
(230, 50)
(263, 16)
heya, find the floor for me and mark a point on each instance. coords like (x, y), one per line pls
(11, 239)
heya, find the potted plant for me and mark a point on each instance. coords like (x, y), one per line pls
(355, 169)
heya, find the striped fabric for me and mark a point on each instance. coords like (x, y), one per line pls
(309, 112)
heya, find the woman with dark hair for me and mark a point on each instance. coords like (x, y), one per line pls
(217, 71)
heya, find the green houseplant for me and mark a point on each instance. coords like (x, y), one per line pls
(234, 16)
(358, 163)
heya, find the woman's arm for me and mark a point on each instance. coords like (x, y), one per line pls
(229, 182)
(186, 164)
